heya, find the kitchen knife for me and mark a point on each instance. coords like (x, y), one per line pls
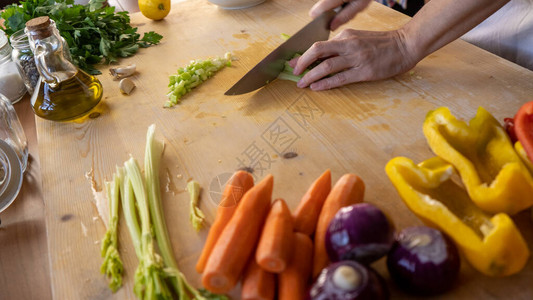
(269, 68)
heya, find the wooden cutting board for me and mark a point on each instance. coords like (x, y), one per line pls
(355, 129)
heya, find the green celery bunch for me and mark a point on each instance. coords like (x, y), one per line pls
(157, 276)
(149, 276)
(195, 73)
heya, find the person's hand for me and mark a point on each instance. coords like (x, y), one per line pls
(354, 56)
(346, 14)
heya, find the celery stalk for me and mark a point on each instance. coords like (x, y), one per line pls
(287, 74)
(112, 265)
(153, 152)
(196, 216)
(156, 275)
(149, 278)
(129, 210)
(152, 158)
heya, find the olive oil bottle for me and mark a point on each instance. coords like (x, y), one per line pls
(64, 92)
(70, 99)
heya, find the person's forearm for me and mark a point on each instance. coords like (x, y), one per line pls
(440, 22)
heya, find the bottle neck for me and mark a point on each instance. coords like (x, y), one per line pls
(49, 50)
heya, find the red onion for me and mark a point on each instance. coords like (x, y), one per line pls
(360, 232)
(424, 261)
(348, 280)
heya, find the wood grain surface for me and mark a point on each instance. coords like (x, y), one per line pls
(355, 129)
(24, 264)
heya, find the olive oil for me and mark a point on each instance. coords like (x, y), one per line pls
(63, 92)
(67, 100)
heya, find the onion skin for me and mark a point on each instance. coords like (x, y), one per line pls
(372, 286)
(360, 232)
(423, 266)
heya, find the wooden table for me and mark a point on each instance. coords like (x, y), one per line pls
(352, 129)
(24, 262)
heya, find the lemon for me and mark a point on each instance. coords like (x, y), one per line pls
(154, 9)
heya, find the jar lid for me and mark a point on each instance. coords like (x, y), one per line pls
(10, 175)
(39, 27)
(3, 38)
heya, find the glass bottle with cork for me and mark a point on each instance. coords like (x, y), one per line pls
(64, 91)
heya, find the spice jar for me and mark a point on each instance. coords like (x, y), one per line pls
(23, 57)
(64, 92)
(11, 83)
(13, 153)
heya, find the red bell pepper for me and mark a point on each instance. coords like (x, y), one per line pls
(523, 127)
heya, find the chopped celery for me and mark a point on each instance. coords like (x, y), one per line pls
(193, 75)
(112, 265)
(196, 216)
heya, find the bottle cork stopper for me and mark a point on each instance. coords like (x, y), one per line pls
(39, 28)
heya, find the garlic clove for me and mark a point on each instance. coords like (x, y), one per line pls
(121, 72)
(126, 86)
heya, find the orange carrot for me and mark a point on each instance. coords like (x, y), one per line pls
(293, 283)
(275, 244)
(349, 189)
(235, 188)
(238, 240)
(306, 214)
(257, 284)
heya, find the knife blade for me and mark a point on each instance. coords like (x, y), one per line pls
(269, 68)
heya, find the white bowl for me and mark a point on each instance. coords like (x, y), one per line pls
(236, 4)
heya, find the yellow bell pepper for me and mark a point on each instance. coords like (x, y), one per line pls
(492, 245)
(523, 155)
(495, 177)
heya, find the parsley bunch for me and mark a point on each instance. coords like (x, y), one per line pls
(93, 32)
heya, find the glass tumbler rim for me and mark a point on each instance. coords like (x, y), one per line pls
(12, 171)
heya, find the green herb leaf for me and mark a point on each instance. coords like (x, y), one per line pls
(96, 4)
(150, 38)
(94, 33)
(210, 296)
